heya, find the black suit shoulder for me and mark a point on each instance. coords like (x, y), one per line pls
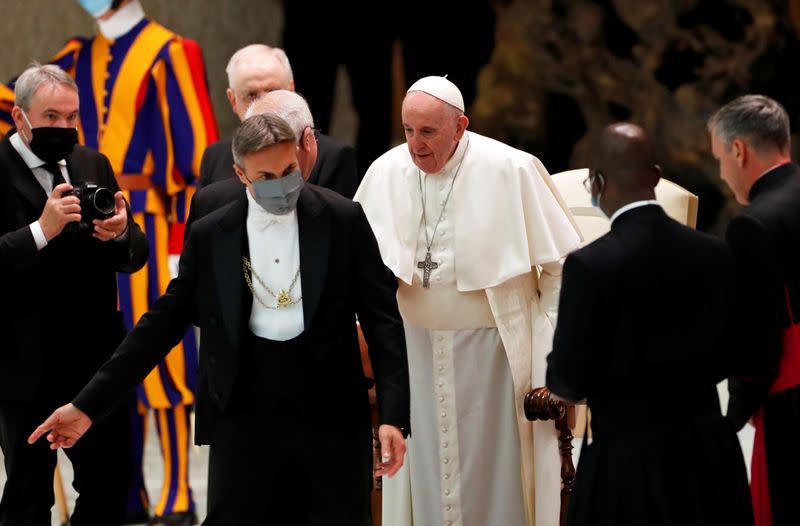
(335, 167)
(6, 150)
(338, 203)
(649, 299)
(651, 228)
(216, 164)
(85, 154)
(766, 235)
(218, 193)
(775, 197)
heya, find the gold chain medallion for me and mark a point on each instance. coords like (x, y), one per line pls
(284, 300)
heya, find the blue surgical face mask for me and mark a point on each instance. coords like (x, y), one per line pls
(95, 7)
(596, 196)
(279, 196)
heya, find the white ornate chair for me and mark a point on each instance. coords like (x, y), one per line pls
(678, 203)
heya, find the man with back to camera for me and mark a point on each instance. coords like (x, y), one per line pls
(58, 313)
(274, 279)
(258, 69)
(646, 308)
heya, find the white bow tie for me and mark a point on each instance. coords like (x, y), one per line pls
(261, 221)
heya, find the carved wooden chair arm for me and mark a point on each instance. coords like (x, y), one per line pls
(540, 405)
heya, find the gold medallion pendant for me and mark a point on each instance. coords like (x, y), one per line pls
(284, 300)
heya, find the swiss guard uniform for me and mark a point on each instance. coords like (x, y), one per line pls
(145, 105)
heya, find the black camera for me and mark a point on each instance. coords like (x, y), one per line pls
(97, 202)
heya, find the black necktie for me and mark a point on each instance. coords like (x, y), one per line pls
(55, 169)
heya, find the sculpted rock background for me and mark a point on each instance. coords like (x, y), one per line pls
(563, 69)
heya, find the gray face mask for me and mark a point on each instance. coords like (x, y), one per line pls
(279, 196)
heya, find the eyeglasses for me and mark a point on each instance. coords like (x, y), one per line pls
(589, 181)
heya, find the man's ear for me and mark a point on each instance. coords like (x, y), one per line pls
(240, 174)
(19, 120)
(740, 152)
(308, 136)
(656, 174)
(461, 126)
(232, 100)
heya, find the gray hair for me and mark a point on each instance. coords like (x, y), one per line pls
(756, 119)
(258, 132)
(34, 77)
(254, 50)
(287, 105)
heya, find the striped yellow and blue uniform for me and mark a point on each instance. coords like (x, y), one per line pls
(6, 103)
(144, 103)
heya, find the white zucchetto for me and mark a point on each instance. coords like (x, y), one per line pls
(441, 88)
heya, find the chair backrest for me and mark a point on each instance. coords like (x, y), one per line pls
(678, 203)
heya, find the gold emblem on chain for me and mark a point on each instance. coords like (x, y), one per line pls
(283, 297)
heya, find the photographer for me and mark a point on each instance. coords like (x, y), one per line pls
(60, 250)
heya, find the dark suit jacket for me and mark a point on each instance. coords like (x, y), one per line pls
(335, 167)
(58, 305)
(640, 307)
(342, 275)
(643, 334)
(765, 241)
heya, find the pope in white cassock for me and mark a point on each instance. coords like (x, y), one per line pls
(475, 232)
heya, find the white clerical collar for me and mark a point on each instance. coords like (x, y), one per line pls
(256, 212)
(122, 21)
(458, 155)
(30, 158)
(630, 206)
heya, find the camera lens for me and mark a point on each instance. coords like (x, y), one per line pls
(103, 201)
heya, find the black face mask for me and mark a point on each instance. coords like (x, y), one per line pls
(52, 144)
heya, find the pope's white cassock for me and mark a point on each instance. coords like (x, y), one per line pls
(478, 337)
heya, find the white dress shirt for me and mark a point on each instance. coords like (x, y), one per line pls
(44, 177)
(275, 258)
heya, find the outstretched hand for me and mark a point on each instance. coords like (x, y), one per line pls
(64, 427)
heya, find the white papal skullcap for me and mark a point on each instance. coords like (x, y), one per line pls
(441, 88)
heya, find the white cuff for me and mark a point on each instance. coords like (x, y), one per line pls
(38, 235)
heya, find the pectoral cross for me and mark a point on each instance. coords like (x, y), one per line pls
(427, 266)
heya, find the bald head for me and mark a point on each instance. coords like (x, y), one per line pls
(292, 108)
(288, 105)
(624, 154)
(255, 70)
